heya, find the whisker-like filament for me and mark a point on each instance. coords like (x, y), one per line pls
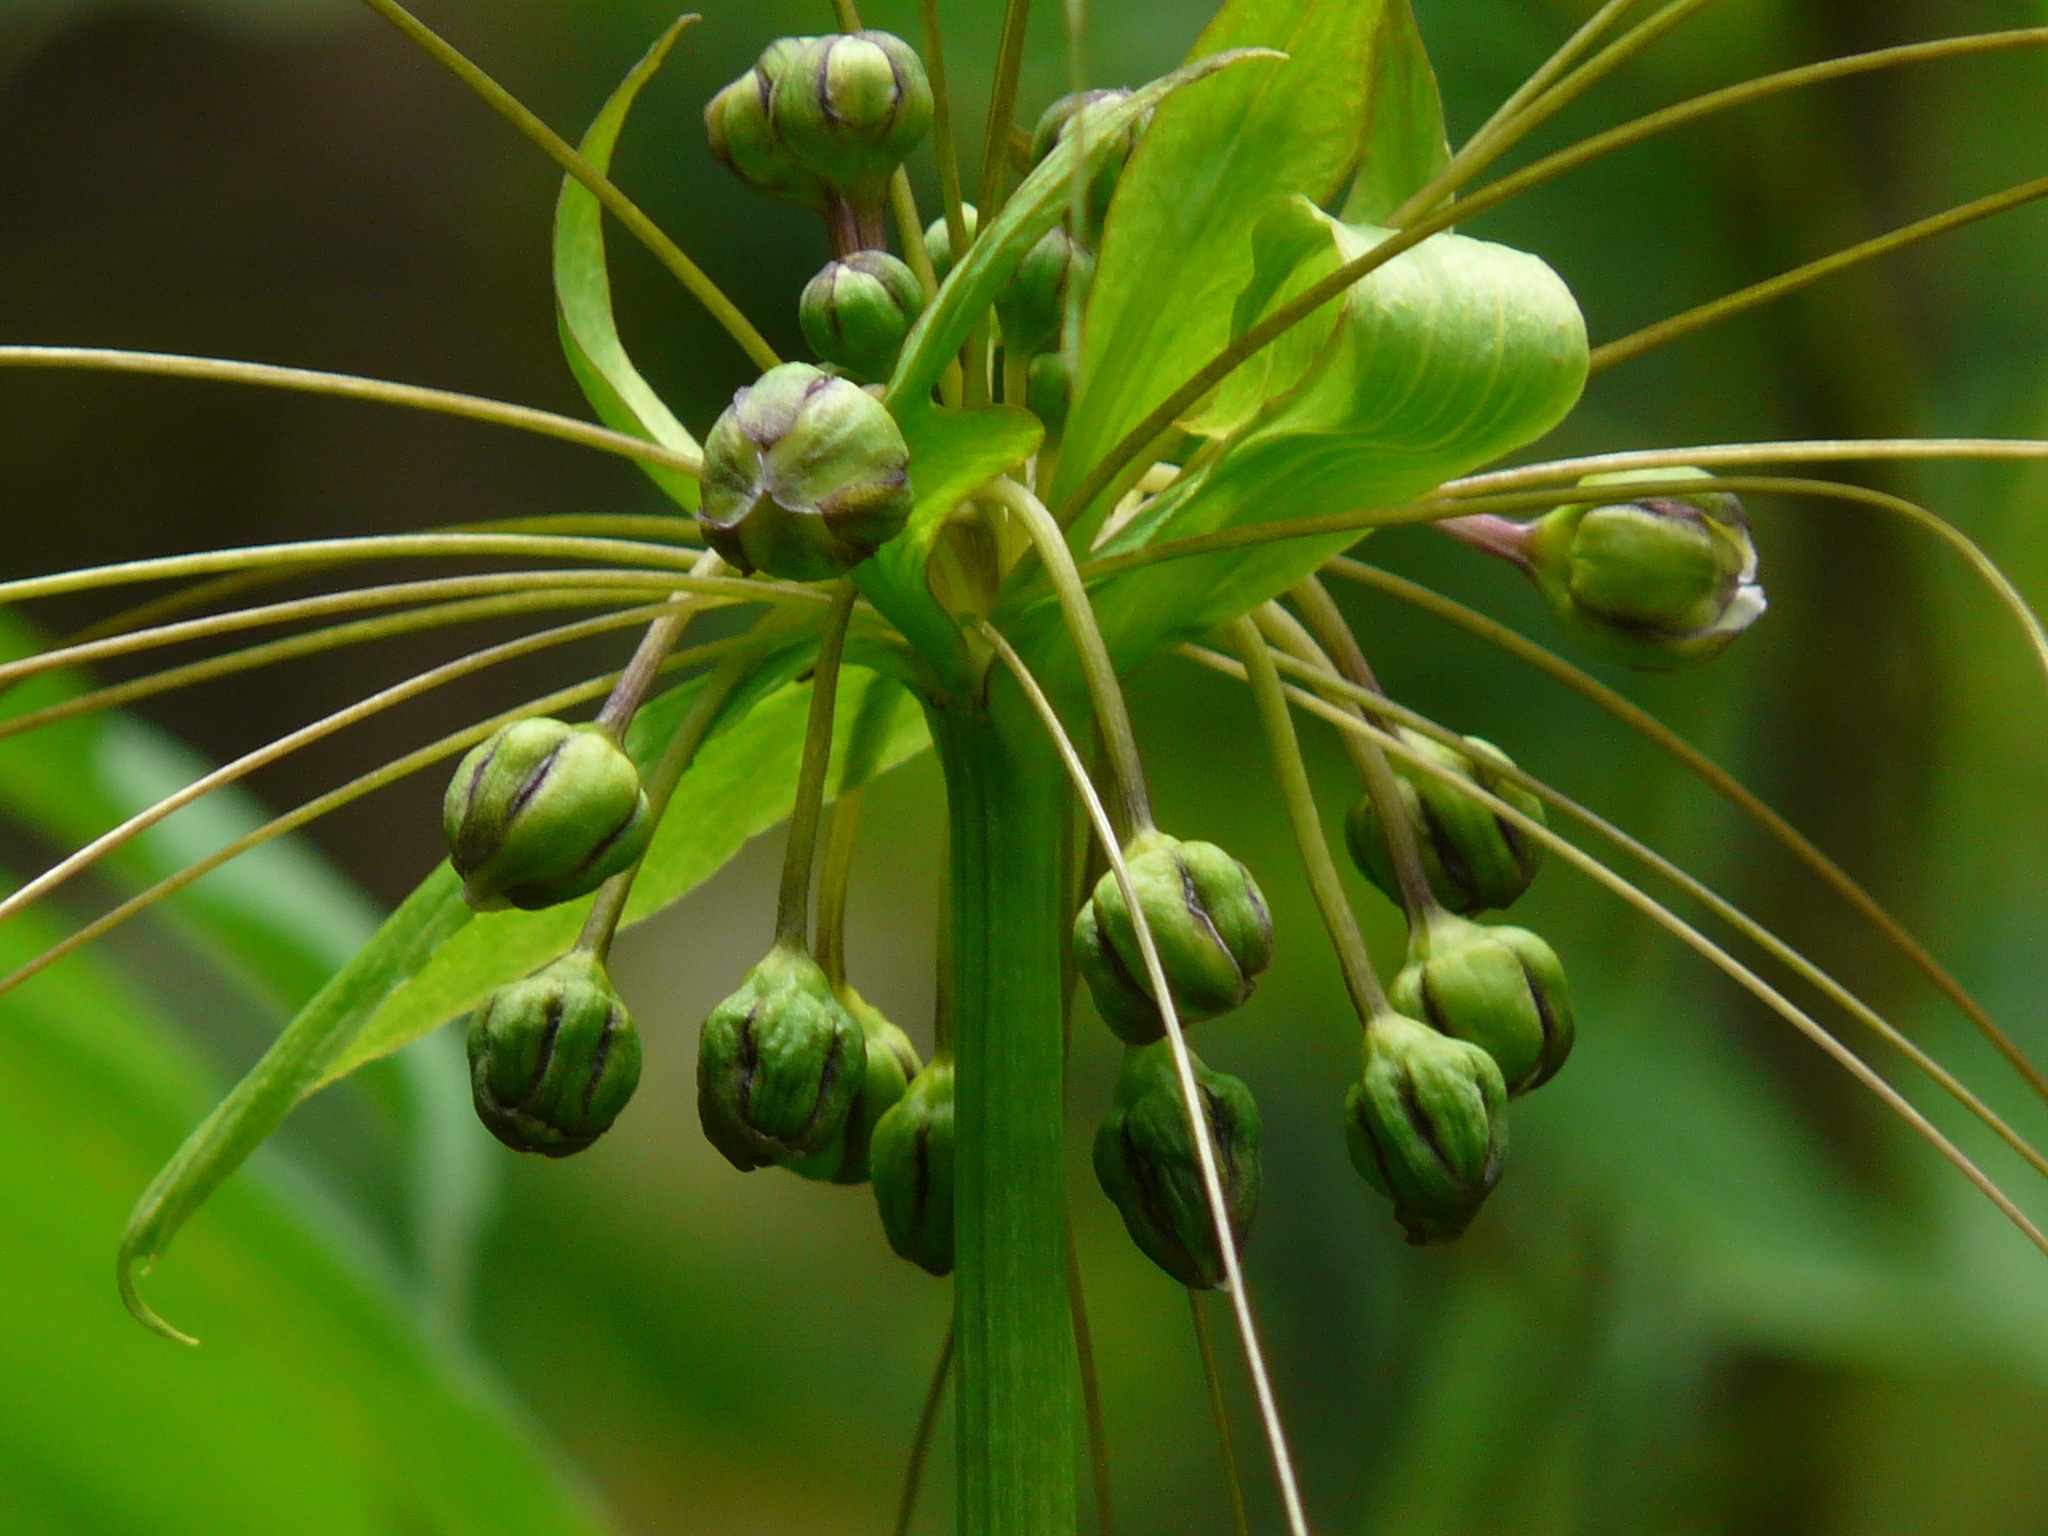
(350, 386)
(345, 794)
(1220, 1411)
(1725, 910)
(921, 1437)
(328, 725)
(564, 154)
(1716, 778)
(1664, 918)
(1091, 1384)
(1286, 316)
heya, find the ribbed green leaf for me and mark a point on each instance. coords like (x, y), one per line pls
(622, 399)
(1177, 249)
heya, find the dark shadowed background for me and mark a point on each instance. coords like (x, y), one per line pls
(1718, 1291)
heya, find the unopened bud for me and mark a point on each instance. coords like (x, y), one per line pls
(856, 312)
(1427, 1126)
(1146, 1162)
(553, 1058)
(852, 106)
(938, 239)
(779, 1064)
(1476, 861)
(1657, 583)
(743, 137)
(1503, 989)
(911, 1164)
(1033, 304)
(1207, 918)
(1056, 122)
(892, 1063)
(543, 812)
(1049, 390)
(805, 476)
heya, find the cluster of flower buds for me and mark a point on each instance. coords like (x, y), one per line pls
(1476, 861)
(1147, 1163)
(910, 1160)
(825, 122)
(1659, 582)
(805, 476)
(553, 1058)
(1208, 920)
(779, 1065)
(1427, 1125)
(543, 812)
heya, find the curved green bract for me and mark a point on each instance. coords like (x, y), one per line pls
(414, 975)
(1446, 358)
(1176, 250)
(622, 399)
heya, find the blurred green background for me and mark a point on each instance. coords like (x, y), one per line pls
(1718, 1291)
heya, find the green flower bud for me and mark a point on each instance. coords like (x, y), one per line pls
(852, 106)
(1208, 919)
(779, 1064)
(1657, 583)
(1056, 122)
(543, 812)
(805, 476)
(743, 138)
(1427, 1126)
(1503, 989)
(1049, 390)
(938, 238)
(1476, 861)
(553, 1058)
(892, 1063)
(856, 312)
(1033, 304)
(911, 1162)
(1146, 1162)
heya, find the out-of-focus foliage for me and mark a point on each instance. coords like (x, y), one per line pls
(1718, 1293)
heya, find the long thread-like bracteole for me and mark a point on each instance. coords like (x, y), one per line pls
(353, 387)
(792, 911)
(559, 150)
(1716, 778)
(1680, 929)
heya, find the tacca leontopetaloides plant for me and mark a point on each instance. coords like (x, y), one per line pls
(1108, 409)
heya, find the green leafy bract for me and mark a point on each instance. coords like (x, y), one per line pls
(1176, 251)
(400, 985)
(1450, 355)
(622, 399)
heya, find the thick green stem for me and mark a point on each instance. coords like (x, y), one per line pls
(1008, 798)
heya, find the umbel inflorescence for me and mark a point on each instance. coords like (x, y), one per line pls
(1034, 451)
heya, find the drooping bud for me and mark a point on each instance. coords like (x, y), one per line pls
(1056, 122)
(855, 313)
(1146, 1162)
(779, 1064)
(541, 813)
(938, 238)
(1503, 989)
(892, 1063)
(1208, 919)
(852, 106)
(911, 1163)
(1033, 304)
(1049, 390)
(1656, 583)
(553, 1058)
(743, 137)
(1476, 861)
(805, 476)
(1427, 1126)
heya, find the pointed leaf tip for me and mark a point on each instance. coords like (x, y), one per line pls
(129, 1268)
